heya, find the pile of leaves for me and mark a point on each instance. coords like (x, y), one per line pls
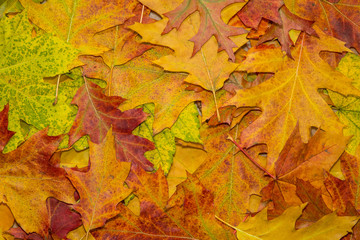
(179, 119)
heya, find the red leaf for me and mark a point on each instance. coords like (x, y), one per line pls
(62, 219)
(5, 134)
(281, 32)
(252, 13)
(98, 112)
(211, 23)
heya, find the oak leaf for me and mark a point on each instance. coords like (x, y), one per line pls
(283, 227)
(27, 180)
(102, 187)
(211, 24)
(98, 112)
(289, 22)
(291, 96)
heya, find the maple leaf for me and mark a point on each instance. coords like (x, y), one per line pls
(283, 227)
(102, 187)
(347, 108)
(7, 220)
(27, 180)
(339, 19)
(211, 24)
(77, 21)
(97, 112)
(295, 86)
(158, 220)
(142, 82)
(350, 169)
(186, 128)
(207, 68)
(316, 207)
(228, 174)
(289, 22)
(5, 134)
(340, 192)
(10, 6)
(300, 161)
(62, 219)
(25, 60)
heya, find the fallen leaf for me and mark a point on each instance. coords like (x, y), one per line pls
(211, 24)
(62, 219)
(97, 112)
(5, 134)
(76, 21)
(283, 227)
(27, 180)
(102, 187)
(295, 86)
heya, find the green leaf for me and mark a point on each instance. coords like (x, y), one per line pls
(187, 125)
(10, 6)
(24, 61)
(348, 108)
(185, 128)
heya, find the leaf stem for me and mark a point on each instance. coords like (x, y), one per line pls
(57, 90)
(250, 158)
(142, 13)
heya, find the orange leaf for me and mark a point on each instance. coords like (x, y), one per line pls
(102, 187)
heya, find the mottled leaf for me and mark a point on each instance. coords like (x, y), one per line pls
(102, 187)
(28, 179)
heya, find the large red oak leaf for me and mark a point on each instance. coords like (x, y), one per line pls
(211, 23)
(98, 112)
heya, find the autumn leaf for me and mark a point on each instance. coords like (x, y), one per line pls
(300, 162)
(102, 187)
(228, 174)
(76, 21)
(339, 19)
(185, 221)
(289, 22)
(27, 180)
(346, 108)
(251, 14)
(98, 112)
(186, 128)
(295, 85)
(5, 134)
(25, 60)
(206, 68)
(350, 169)
(211, 24)
(283, 227)
(141, 82)
(62, 219)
